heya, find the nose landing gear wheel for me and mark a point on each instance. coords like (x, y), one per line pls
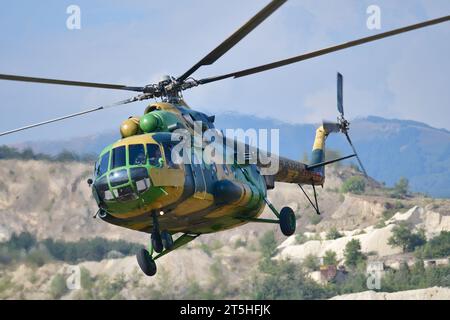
(287, 221)
(146, 263)
(157, 243)
(167, 240)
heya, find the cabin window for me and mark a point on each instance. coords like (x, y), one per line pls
(118, 157)
(102, 165)
(153, 154)
(136, 154)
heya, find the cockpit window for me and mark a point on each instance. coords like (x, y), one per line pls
(119, 177)
(102, 165)
(118, 157)
(153, 154)
(136, 154)
(141, 179)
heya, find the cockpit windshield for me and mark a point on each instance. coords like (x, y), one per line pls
(153, 154)
(102, 165)
(136, 154)
(118, 157)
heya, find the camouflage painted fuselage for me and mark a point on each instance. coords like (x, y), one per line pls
(136, 177)
(195, 198)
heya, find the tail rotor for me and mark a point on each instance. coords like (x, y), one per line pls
(342, 125)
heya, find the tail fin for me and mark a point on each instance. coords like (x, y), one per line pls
(318, 152)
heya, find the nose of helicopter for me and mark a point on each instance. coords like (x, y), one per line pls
(122, 184)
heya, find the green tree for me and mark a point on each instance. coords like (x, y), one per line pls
(352, 253)
(330, 258)
(403, 237)
(401, 188)
(355, 184)
(333, 234)
(438, 247)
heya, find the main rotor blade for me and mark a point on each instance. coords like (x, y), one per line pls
(134, 99)
(325, 51)
(231, 41)
(356, 153)
(69, 83)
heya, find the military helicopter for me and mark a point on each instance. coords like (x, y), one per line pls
(138, 184)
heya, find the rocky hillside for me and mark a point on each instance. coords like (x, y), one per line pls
(435, 293)
(52, 200)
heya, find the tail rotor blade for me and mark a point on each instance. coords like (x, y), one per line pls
(340, 94)
(356, 153)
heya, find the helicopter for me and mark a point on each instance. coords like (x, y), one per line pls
(140, 183)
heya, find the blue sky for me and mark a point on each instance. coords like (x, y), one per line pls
(134, 42)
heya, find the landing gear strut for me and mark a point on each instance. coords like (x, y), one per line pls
(159, 241)
(286, 219)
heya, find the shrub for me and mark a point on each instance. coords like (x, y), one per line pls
(206, 249)
(315, 219)
(380, 224)
(268, 244)
(330, 258)
(301, 238)
(58, 286)
(355, 184)
(333, 234)
(311, 262)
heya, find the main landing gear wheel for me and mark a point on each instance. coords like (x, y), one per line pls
(146, 262)
(167, 240)
(287, 221)
(157, 243)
